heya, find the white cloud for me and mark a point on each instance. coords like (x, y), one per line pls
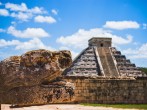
(80, 38)
(22, 16)
(74, 54)
(144, 26)
(63, 48)
(37, 10)
(42, 19)
(13, 23)
(4, 43)
(34, 43)
(54, 11)
(138, 53)
(118, 40)
(129, 51)
(120, 25)
(2, 30)
(0, 3)
(23, 8)
(28, 33)
(4, 12)
(16, 7)
(22, 12)
(20, 47)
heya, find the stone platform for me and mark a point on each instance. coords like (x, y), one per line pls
(109, 90)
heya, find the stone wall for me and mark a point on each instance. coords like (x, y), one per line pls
(104, 90)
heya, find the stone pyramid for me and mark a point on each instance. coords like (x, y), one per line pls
(100, 59)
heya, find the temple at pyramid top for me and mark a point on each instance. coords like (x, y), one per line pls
(100, 59)
(100, 42)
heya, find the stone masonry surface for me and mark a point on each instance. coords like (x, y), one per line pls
(107, 90)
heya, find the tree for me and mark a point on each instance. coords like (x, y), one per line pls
(143, 69)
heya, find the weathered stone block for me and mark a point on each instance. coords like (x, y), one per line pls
(32, 78)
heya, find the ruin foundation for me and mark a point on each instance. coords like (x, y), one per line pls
(104, 90)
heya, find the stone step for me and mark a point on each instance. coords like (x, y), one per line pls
(85, 62)
(125, 67)
(107, 61)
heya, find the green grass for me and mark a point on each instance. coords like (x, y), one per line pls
(124, 106)
(143, 69)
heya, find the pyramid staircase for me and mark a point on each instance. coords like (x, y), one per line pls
(107, 62)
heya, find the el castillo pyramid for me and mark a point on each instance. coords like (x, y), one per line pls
(101, 59)
(99, 74)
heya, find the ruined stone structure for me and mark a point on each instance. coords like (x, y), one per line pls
(100, 59)
(109, 90)
(102, 75)
(32, 78)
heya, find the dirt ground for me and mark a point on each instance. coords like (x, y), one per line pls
(60, 107)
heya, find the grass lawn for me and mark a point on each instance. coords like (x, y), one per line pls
(127, 106)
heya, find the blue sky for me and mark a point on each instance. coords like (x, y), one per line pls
(68, 24)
